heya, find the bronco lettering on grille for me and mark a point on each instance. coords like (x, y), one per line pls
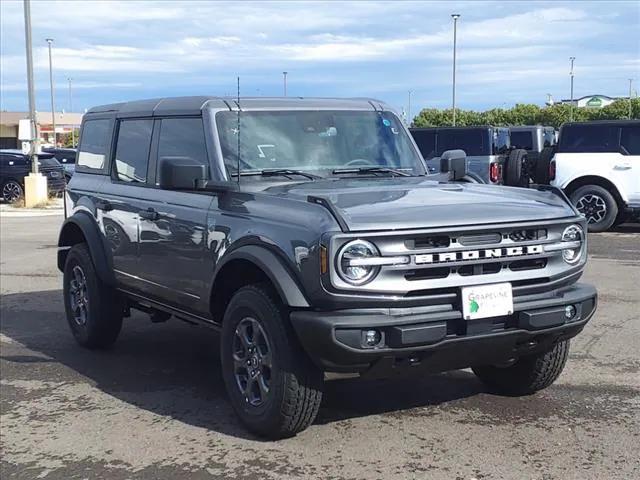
(478, 254)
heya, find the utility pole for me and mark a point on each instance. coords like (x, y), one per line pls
(73, 127)
(53, 104)
(630, 90)
(409, 110)
(571, 75)
(455, 17)
(32, 95)
(284, 78)
(35, 184)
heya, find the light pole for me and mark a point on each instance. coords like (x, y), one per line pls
(30, 85)
(630, 90)
(284, 79)
(53, 105)
(409, 110)
(455, 17)
(73, 127)
(571, 75)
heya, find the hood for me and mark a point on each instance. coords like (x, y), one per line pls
(367, 204)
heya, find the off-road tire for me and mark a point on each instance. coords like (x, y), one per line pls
(104, 310)
(541, 174)
(513, 174)
(296, 384)
(528, 375)
(610, 203)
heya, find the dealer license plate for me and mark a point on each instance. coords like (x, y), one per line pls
(484, 301)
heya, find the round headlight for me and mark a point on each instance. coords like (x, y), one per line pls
(573, 233)
(350, 269)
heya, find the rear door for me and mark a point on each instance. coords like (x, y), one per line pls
(120, 201)
(630, 163)
(173, 227)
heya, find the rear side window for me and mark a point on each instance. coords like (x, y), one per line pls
(132, 150)
(589, 138)
(549, 137)
(183, 137)
(93, 144)
(630, 140)
(522, 140)
(426, 141)
(474, 141)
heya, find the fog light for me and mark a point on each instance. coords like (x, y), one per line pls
(569, 312)
(372, 338)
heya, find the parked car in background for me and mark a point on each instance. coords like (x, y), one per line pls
(597, 164)
(490, 156)
(538, 141)
(66, 157)
(14, 166)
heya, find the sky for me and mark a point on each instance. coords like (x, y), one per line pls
(508, 52)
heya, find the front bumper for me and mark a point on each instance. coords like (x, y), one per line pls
(437, 338)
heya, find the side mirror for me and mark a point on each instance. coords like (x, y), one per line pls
(181, 173)
(454, 162)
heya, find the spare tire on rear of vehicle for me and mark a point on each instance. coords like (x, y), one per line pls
(513, 173)
(541, 176)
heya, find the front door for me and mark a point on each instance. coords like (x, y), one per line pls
(173, 225)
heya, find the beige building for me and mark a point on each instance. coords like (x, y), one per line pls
(9, 126)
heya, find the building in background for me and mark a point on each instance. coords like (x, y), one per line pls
(590, 101)
(9, 121)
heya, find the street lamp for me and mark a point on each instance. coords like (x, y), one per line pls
(409, 110)
(630, 90)
(284, 79)
(455, 17)
(73, 129)
(571, 75)
(53, 105)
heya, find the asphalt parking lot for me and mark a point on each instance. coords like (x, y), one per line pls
(154, 406)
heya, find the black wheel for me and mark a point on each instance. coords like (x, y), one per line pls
(94, 310)
(541, 174)
(598, 206)
(528, 375)
(514, 169)
(12, 191)
(272, 384)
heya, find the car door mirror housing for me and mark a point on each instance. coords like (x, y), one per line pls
(455, 163)
(181, 173)
(187, 173)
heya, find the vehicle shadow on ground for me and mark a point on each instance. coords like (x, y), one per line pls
(627, 228)
(173, 369)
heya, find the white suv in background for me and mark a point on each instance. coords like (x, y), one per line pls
(597, 164)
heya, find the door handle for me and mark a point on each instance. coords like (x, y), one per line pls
(622, 166)
(149, 214)
(104, 205)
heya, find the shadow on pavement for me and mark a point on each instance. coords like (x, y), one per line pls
(173, 369)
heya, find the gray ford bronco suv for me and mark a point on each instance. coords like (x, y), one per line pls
(308, 232)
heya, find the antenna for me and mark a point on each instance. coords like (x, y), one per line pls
(238, 128)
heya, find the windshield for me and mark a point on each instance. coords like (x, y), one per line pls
(317, 141)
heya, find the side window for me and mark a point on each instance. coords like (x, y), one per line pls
(132, 150)
(93, 144)
(183, 137)
(589, 138)
(630, 140)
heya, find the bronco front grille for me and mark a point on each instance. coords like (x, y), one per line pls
(461, 257)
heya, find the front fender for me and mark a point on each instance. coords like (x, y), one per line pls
(81, 227)
(275, 268)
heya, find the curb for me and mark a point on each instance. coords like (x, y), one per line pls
(31, 213)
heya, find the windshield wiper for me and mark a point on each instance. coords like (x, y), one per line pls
(365, 170)
(277, 172)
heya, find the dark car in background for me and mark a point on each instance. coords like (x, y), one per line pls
(66, 157)
(490, 156)
(15, 165)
